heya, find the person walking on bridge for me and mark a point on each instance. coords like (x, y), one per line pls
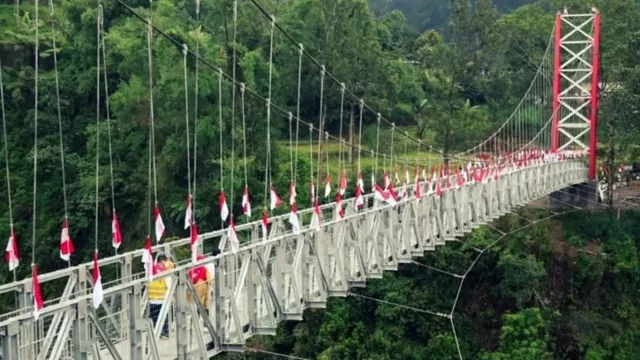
(157, 291)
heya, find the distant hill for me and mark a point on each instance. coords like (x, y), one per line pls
(431, 14)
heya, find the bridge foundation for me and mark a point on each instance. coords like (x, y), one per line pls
(583, 195)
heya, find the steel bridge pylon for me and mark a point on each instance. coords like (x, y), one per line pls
(576, 84)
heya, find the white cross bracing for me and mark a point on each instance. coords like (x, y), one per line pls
(577, 71)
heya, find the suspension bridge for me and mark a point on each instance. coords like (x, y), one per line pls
(273, 269)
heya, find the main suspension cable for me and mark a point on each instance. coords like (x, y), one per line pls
(272, 106)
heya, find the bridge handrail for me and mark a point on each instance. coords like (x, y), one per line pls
(24, 313)
(18, 285)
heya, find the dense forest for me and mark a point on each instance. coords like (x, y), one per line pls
(446, 71)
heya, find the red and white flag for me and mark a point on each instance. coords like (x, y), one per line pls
(147, 259)
(359, 199)
(116, 235)
(485, 174)
(38, 304)
(385, 181)
(379, 194)
(293, 219)
(373, 182)
(424, 174)
(98, 295)
(406, 175)
(292, 194)
(66, 244)
(222, 204)
(396, 177)
(195, 242)
(477, 175)
(11, 255)
(313, 189)
(392, 197)
(459, 179)
(418, 189)
(339, 209)
(233, 236)
(360, 182)
(274, 198)
(343, 183)
(327, 186)
(438, 189)
(246, 203)
(188, 214)
(159, 223)
(264, 225)
(316, 217)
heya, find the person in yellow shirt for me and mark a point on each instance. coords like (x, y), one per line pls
(156, 292)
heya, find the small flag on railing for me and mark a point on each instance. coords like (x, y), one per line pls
(233, 236)
(327, 186)
(392, 197)
(195, 242)
(293, 219)
(343, 183)
(292, 194)
(373, 182)
(38, 304)
(459, 179)
(11, 255)
(359, 204)
(222, 203)
(116, 235)
(316, 217)
(275, 199)
(379, 194)
(339, 209)
(66, 244)
(264, 225)
(246, 203)
(97, 282)
(188, 214)
(147, 259)
(159, 223)
(385, 180)
(360, 182)
(418, 188)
